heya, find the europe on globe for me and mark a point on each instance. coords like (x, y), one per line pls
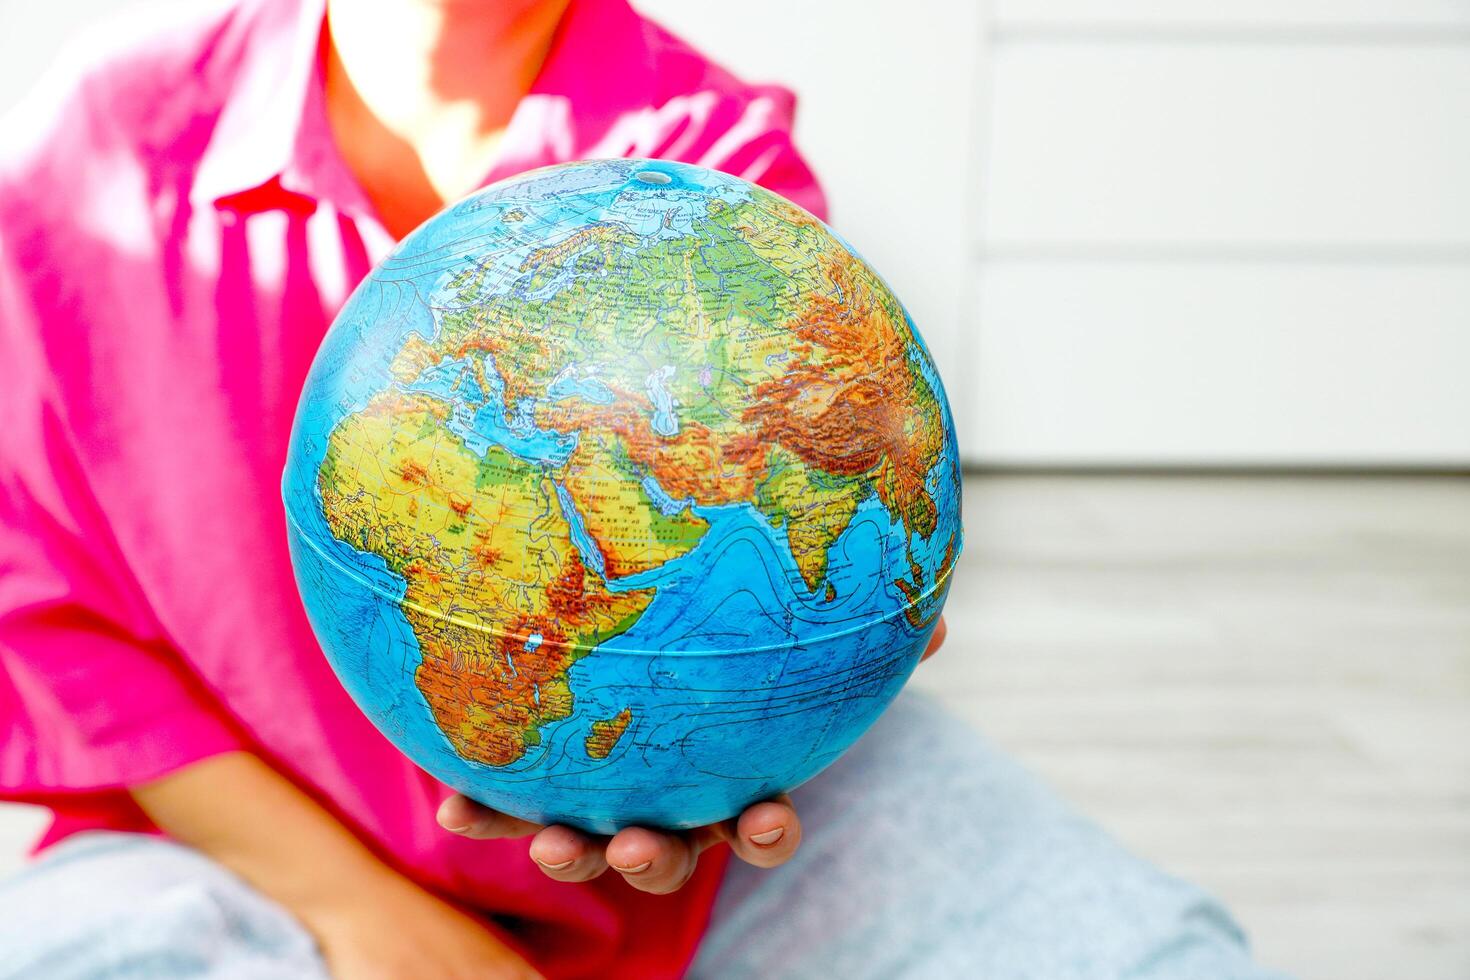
(623, 492)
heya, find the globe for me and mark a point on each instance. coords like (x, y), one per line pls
(623, 492)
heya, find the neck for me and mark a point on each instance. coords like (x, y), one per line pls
(418, 92)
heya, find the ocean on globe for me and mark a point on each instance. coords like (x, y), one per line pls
(623, 492)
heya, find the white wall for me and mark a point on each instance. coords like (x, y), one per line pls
(1138, 231)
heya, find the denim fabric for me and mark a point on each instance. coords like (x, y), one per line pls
(117, 905)
(927, 853)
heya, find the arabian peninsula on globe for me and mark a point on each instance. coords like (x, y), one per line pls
(623, 492)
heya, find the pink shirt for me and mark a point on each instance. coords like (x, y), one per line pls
(173, 244)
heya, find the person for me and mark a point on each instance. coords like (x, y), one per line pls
(179, 220)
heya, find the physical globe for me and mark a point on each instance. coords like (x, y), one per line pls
(623, 492)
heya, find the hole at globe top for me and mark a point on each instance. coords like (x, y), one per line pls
(653, 177)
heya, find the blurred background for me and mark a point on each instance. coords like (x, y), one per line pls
(1197, 275)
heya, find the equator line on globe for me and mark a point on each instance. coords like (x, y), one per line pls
(623, 492)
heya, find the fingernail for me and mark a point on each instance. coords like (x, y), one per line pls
(769, 837)
(462, 829)
(554, 867)
(635, 870)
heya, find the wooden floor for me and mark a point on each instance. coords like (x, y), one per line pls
(1261, 683)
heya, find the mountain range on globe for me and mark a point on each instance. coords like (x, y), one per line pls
(623, 492)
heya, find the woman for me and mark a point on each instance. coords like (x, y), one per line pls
(175, 236)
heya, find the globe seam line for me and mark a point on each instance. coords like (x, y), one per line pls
(933, 590)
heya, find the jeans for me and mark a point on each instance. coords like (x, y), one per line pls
(927, 853)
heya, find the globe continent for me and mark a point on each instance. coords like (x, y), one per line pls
(623, 492)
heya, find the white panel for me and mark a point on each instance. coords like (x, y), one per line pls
(1208, 14)
(1134, 143)
(886, 116)
(1230, 363)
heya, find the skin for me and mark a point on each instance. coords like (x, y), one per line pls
(418, 95)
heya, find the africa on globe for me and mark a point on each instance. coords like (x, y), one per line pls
(623, 492)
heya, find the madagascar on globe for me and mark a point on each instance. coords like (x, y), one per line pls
(623, 492)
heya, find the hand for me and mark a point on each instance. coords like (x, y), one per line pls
(391, 929)
(766, 835)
